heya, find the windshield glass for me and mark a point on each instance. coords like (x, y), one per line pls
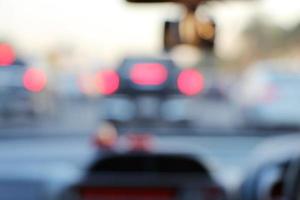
(221, 65)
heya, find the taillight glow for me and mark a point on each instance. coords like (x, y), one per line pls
(148, 74)
(190, 82)
(107, 82)
(34, 80)
(7, 55)
(86, 84)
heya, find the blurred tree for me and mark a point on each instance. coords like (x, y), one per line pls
(270, 40)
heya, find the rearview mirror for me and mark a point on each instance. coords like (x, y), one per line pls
(189, 29)
(148, 1)
(185, 2)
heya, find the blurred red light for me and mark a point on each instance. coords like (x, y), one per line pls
(86, 84)
(190, 82)
(119, 193)
(106, 136)
(106, 140)
(140, 142)
(34, 80)
(148, 74)
(271, 94)
(107, 82)
(7, 55)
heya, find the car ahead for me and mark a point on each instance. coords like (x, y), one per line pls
(19, 85)
(148, 91)
(271, 96)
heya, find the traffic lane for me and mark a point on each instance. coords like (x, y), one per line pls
(65, 136)
(69, 115)
(75, 149)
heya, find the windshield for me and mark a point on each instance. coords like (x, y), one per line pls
(222, 65)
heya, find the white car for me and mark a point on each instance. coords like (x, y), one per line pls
(269, 95)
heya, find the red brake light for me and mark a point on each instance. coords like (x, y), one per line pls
(190, 82)
(34, 80)
(7, 55)
(107, 82)
(148, 74)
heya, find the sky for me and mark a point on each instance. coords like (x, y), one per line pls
(104, 27)
(113, 28)
(283, 12)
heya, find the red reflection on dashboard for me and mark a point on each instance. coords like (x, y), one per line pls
(128, 193)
